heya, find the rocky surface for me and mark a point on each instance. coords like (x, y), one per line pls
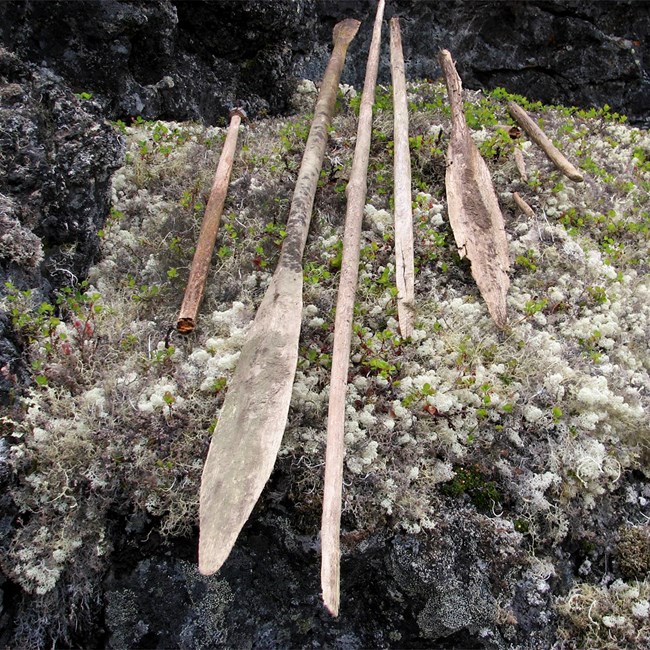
(194, 60)
(100, 475)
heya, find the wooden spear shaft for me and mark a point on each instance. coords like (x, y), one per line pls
(209, 229)
(537, 135)
(404, 255)
(247, 437)
(356, 195)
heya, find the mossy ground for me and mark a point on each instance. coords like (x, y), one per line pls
(540, 433)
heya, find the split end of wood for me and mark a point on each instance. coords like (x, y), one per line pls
(185, 325)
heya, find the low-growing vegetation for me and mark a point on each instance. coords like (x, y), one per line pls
(542, 430)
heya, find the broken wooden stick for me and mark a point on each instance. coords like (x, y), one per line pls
(249, 431)
(522, 205)
(521, 164)
(404, 255)
(356, 199)
(209, 229)
(474, 213)
(537, 135)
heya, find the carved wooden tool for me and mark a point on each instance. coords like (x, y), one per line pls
(404, 255)
(209, 229)
(537, 135)
(474, 212)
(248, 434)
(356, 195)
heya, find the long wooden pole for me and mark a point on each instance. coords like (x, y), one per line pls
(537, 135)
(474, 212)
(249, 431)
(209, 228)
(356, 195)
(404, 255)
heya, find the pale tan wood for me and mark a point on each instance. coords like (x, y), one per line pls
(522, 205)
(404, 254)
(474, 213)
(538, 136)
(209, 229)
(249, 431)
(521, 164)
(356, 199)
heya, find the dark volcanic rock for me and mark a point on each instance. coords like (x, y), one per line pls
(56, 159)
(195, 59)
(563, 51)
(177, 60)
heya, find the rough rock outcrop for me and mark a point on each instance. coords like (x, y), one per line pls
(57, 155)
(194, 59)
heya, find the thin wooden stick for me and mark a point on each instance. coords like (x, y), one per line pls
(404, 255)
(356, 195)
(474, 213)
(248, 434)
(537, 135)
(209, 229)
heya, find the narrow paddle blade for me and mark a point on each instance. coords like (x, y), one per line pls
(249, 432)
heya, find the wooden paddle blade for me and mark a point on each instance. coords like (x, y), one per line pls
(474, 213)
(248, 434)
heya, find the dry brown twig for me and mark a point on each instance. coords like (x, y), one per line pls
(539, 137)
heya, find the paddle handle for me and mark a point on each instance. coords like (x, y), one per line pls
(209, 229)
(312, 161)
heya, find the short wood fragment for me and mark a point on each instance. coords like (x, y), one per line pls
(248, 434)
(356, 199)
(522, 205)
(404, 255)
(538, 136)
(474, 213)
(209, 229)
(521, 164)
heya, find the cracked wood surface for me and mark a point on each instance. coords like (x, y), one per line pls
(404, 255)
(474, 212)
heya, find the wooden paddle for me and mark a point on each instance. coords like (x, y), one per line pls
(404, 254)
(248, 434)
(474, 212)
(356, 195)
(209, 229)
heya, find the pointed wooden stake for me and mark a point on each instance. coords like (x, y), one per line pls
(356, 194)
(209, 229)
(537, 135)
(474, 212)
(404, 255)
(248, 434)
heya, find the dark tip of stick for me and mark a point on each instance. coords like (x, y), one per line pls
(185, 325)
(239, 111)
